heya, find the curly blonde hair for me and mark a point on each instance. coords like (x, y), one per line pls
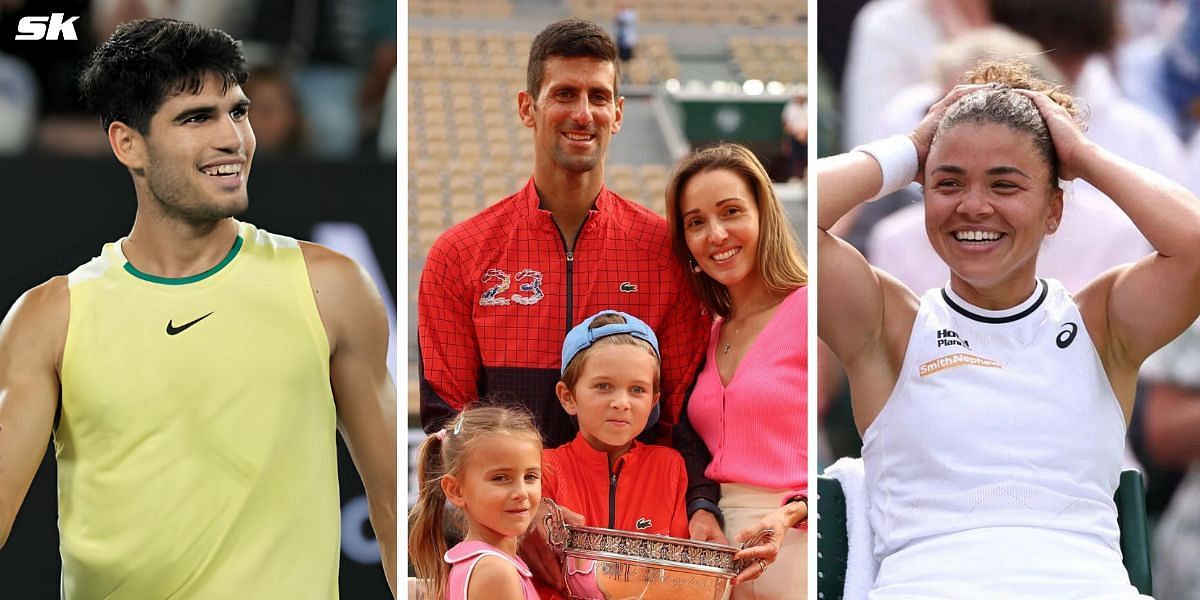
(1002, 105)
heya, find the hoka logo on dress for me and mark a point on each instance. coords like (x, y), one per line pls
(949, 337)
(530, 291)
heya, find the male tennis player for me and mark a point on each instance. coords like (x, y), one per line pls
(193, 375)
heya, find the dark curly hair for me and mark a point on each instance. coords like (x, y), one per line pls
(145, 62)
(1004, 106)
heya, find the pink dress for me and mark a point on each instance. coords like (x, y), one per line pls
(465, 555)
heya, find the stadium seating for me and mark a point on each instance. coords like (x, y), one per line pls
(755, 13)
(770, 59)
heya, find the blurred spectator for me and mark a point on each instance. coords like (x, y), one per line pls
(1138, 19)
(1163, 72)
(1192, 180)
(829, 117)
(1072, 32)
(388, 120)
(63, 124)
(795, 125)
(626, 31)
(373, 95)
(229, 16)
(1140, 58)
(891, 45)
(901, 113)
(1176, 550)
(18, 105)
(1170, 420)
(107, 15)
(278, 125)
(327, 46)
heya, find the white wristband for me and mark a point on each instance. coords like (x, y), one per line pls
(897, 158)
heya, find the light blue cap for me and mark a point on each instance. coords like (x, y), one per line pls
(581, 337)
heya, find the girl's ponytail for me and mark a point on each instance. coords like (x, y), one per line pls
(426, 535)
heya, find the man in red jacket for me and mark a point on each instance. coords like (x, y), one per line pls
(499, 291)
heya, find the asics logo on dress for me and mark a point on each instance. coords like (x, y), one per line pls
(1067, 335)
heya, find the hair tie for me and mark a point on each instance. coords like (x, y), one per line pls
(440, 435)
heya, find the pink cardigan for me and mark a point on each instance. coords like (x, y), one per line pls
(756, 428)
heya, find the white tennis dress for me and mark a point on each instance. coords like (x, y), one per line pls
(992, 468)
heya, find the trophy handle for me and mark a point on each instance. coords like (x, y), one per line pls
(757, 539)
(556, 527)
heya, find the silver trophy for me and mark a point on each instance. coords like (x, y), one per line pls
(607, 564)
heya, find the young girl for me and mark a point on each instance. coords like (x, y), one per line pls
(488, 463)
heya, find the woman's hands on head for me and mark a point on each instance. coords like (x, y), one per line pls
(1069, 142)
(922, 136)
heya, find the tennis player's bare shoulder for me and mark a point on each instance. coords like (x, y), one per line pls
(345, 294)
(37, 322)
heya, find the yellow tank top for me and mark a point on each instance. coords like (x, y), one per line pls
(196, 450)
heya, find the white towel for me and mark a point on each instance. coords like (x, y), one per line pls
(861, 566)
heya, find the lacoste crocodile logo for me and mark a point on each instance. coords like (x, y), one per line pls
(173, 330)
(643, 523)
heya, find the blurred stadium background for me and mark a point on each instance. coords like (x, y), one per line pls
(702, 72)
(324, 113)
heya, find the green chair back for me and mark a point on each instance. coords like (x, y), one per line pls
(1135, 533)
(832, 547)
